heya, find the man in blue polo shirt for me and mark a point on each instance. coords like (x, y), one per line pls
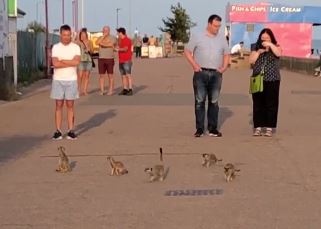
(209, 55)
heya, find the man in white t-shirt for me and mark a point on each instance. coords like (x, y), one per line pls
(238, 49)
(65, 59)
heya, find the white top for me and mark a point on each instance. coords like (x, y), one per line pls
(236, 48)
(65, 52)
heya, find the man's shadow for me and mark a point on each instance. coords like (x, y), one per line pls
(13, 147)
(224, 114)
(136, 89)
(95, 121)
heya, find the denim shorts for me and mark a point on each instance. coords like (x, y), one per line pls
(125, 68)
(85, 66)
(64, 90)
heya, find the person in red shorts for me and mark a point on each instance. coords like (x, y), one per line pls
(106, 44)
(125, 61)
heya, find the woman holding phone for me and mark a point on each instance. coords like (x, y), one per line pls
(266, 56)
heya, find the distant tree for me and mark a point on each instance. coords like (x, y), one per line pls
(179, 25)
(36, 27)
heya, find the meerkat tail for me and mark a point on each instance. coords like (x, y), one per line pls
(161, 154)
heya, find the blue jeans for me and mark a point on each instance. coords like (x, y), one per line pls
(207, 84)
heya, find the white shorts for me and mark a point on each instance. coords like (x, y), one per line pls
(64, 90)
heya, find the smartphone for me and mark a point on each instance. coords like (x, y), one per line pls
(260, 46)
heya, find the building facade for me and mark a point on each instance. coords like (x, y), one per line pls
(292, 25)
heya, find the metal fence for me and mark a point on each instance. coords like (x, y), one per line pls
(31, 54)
(302, 65)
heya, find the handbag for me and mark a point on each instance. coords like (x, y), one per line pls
(91, 57)
(256, 82)
(92, 62)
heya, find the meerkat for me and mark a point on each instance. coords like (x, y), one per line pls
(209, 159)
(63, 165)
(117, 167)
(229, 171)
(157, 173)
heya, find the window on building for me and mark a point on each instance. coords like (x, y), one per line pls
(249, 27)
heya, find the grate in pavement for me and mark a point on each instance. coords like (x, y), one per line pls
(306, 92)
(194, 192)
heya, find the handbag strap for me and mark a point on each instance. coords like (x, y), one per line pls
(264, 63)
(89, 53)
(86, 48)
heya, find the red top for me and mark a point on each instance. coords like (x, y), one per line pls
(125, 56)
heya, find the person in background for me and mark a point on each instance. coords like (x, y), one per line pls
(106, 60)
(317, 69)
(157, 43)
(152, 41)
(85, 65)
(125, 61)
(238, 50)
(145, 40)
(138, 46)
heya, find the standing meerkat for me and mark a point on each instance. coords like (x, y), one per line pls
(157, 172)
(117, 167)
(63, 165)
(230, 172)
(209, 159)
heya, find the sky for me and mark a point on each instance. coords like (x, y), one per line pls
(145, 15)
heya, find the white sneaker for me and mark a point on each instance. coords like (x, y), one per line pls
(268, 132)
(257, 132)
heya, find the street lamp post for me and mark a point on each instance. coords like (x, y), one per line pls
(117, 10)
(130, 17)
(38, 15)
(63, 11)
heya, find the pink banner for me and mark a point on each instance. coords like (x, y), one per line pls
(249, 13)
(294, 38)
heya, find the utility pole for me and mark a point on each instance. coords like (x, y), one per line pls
(82, 13)
(73, 14)
(37, 11)
(77, 15)
(117, 10)
(47, 41)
